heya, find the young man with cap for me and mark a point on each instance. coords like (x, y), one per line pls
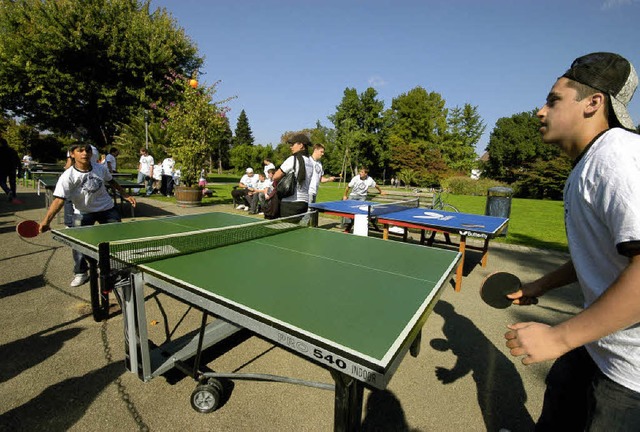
(302, 165)
(245, 187)
(594, 384)
(84, 184)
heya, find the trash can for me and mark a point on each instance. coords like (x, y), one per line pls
(499, 203)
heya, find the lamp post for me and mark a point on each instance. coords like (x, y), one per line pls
(146, 129)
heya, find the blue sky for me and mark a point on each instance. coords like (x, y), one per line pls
(288, 62)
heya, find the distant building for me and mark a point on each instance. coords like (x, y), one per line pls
(476, 172)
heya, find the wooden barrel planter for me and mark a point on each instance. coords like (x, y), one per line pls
(188, 196)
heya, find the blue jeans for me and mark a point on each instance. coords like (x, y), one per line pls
(148, 180)
(80, 264)
(581, 398)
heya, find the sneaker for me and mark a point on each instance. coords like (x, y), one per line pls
(261, 214)
(240, 207)
(79, 279)
(246, 208)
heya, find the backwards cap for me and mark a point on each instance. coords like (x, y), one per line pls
(611, 74)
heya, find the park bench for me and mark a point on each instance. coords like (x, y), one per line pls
(395, 195)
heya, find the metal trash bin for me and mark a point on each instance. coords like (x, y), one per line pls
(499, 203)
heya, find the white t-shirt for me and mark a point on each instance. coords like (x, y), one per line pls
(167, 166)
(318, 172)
(146, 162)
(86, 189)
(249, 182)
(302, 190)
(267, 168)
(602, 214)
(110, 160)
(360, 187)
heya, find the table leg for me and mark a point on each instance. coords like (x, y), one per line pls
(348, 403)
(485, 252)
(385, 232)
(461, 249)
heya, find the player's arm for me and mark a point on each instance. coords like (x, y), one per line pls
(54, 208)
(346, 193)
(379, 190)
(563, 275)
(618, 308)
(115, 185)
(327, 179)
(277, 175)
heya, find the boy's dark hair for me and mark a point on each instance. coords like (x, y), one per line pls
(113, 150)
(76, 145)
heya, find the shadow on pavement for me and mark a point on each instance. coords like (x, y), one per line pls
(383, 412)
(500, 390)
(61, 405)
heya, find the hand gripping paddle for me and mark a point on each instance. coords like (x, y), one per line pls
(28, 228)
(495, 288)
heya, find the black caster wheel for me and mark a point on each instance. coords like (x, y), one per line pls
(207, 396)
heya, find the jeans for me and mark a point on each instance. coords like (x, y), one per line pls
(148, 180)
(11, 189)
(166, 188)
(80, 264)
(581, 398)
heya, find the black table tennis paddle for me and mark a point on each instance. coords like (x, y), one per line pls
(495, 288)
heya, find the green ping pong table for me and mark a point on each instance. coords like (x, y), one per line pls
(353, 305)
(48, 183)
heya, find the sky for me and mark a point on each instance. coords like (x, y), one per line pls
(287, 63)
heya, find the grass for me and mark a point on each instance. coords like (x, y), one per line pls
(534, 223)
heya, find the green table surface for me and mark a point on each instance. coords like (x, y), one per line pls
(358, 293)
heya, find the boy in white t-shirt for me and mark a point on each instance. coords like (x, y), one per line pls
(594, 383)
(145, 171)
(84, 185)
(111, 160)
(259, 191)
(359, 186)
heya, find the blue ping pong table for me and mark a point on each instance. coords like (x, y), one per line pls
(352, 305)
(396, 214)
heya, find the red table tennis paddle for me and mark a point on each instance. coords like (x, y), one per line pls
(495, 288)
(28, 228)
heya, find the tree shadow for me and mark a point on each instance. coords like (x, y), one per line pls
(500, 391)
(61, 405)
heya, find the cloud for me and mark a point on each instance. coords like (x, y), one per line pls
(612, 4)
(377, 81)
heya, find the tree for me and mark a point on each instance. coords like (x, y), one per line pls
(358, 123)
(84, 66)
(416, 127)
(514, 144)
(193, 127)
(465, 128)
(243, 133)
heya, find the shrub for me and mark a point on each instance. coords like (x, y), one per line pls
(461, 185)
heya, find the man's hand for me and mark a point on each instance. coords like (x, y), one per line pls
(527, 295)
(534, 341)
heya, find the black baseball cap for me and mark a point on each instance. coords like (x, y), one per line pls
(299, 138)
(611, 74)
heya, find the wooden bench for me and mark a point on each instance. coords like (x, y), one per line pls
(394, 195)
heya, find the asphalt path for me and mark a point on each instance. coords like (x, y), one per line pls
(60, 370)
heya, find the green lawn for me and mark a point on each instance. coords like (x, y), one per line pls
(535, 223)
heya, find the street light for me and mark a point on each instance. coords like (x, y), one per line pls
(146, 129)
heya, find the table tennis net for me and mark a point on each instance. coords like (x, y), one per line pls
(384, 208)
(147, 249)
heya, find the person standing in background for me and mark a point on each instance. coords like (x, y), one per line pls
(111, 160)
(145, 171)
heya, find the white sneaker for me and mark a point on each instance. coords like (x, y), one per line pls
(240, 207)
(246, 208)
(79, 279)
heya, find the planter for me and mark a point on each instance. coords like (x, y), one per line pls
(188, 196)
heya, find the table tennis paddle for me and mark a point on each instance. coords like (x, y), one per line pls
(495, 288)
(28, 228)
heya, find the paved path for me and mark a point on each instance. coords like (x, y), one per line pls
(60, 370)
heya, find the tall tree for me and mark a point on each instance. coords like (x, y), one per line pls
(243, 133)
(84, 66)
(417, 125)
(359, 124)
(465, 127)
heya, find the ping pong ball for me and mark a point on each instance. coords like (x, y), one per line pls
(193, 83)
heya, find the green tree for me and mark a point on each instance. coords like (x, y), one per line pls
(544, 179)
(515, 143)
(359, 125)
(243, 134)
(193, 127)
(465, 128)
(416, 129)
(85, 66)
